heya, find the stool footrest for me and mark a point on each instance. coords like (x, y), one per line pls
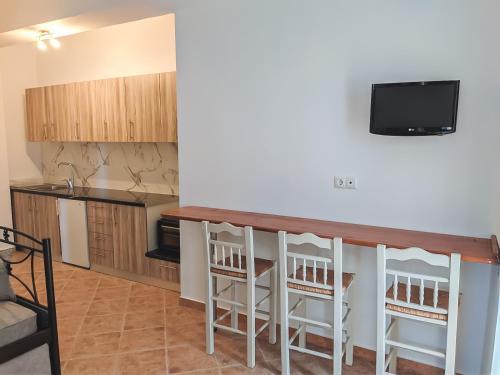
(310, 321)
(415, 348)
(312, 352)
(230, 329)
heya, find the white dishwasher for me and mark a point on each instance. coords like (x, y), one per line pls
(73, 226)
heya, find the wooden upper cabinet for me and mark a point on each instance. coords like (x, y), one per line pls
(168, 106)
(58, 103)
(109, 115)
(36, 115)
(130, 109)
(142, 95)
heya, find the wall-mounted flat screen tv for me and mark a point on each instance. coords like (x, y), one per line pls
(414, 108)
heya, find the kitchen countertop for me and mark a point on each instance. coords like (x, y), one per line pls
(133, 198)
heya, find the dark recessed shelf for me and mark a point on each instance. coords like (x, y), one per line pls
(163, 255)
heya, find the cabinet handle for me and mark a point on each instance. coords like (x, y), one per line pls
(115, 215)
(77, 130)
(53, 131)
(106, 131)
(169, 267)
(45, 133)
(131, 130)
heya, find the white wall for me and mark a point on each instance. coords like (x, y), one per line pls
(18, 71)
(274, 100)
(5, 213)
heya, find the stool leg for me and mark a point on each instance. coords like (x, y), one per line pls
(209, 316)
(273, 308)
(451, 330)
(337, 335)
(381, 322)
(251, 322)
(393, 365)
(302, 325)
(349, 350)
(234, 310)
(285, 360)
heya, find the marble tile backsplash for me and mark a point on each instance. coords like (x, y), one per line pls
(146, 167)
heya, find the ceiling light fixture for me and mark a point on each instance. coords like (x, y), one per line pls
(42, 46)
(45, 35)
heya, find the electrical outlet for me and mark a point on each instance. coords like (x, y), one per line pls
(339, 182)
(351, 183)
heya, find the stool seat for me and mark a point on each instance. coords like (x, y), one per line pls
(261, 266)
(346, 281)
(443, 300)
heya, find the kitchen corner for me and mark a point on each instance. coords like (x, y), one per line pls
(111, 231)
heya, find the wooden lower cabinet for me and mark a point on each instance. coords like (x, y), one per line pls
(163, 270)
(22, 207)
(38, 216)
(104, 258)
(118, 243)
(130, 239)
(47, 222)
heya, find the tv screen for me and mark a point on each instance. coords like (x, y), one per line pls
(414, 108)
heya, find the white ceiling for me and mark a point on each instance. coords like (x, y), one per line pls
(75, 16)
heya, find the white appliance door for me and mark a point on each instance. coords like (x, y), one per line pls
(73, 226)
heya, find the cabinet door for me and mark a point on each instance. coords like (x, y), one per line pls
(36, 115)
(163, 270)
(58, 114)
(168, 107)
(46, 222)
(130, 239)
(142, 95)
(23, 216)
(108, 111)
(76, 125)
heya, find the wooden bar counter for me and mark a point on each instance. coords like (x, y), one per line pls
(472, 249)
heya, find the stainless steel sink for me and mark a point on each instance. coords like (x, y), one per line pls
(47, 187)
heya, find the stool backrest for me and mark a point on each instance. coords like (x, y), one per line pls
(418, 280)
(316, 265)
(226, 255)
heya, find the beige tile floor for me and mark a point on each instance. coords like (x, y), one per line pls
(109, 325)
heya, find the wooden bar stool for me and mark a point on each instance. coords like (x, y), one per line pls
(309, 276)
(418, 297)
(236, 263)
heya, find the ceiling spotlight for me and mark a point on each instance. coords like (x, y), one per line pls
(42, 46)
(55, 43)
(44, 36)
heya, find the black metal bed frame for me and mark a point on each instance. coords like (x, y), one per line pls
(46, 315)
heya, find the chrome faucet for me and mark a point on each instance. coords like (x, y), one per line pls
(69, 181)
